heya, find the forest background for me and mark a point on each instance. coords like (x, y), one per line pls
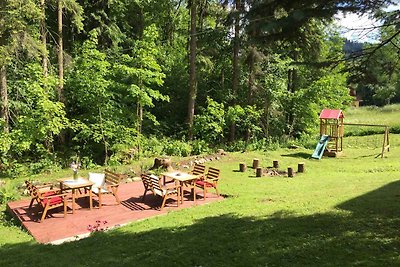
(107, 82)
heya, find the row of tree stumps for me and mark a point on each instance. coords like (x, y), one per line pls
(271, 171)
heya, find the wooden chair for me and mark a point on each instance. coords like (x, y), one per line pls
(164, 191)
(49, 200)
(210, 181)
(106, 183)
(146, 180)
(198, 169)
(43, 190)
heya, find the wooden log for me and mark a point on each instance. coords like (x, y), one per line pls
(290, 172)
(300, 167)
(256, 163)
(258, 172)
(242, 167)
(275, 164)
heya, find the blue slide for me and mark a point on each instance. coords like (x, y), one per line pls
(319, 150)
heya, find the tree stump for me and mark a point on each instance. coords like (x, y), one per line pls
(290, 172)
(300, 167)
(256, 162)
(162, 163)
(275, 164)
(242, 167)
(258, 172)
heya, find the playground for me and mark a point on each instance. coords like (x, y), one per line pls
(332, 128)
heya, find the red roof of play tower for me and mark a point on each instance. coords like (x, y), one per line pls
(331, 114)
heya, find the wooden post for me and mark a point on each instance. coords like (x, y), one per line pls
(275, 164)
(385, 145)
(242, 167)
(256, 162)
(290, 172)
(258, 172)
(300, 167)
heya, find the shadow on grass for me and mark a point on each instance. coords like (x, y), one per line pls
(298, 155)
(382, 203)
(367, 235)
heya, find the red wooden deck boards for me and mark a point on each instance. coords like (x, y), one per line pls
(57, 229)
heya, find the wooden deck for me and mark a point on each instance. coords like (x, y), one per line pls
(56, 229)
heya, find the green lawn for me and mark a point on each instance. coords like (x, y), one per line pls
(342, 211)
(388, 115)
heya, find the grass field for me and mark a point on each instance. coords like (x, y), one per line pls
(342, 211)
(388, 115)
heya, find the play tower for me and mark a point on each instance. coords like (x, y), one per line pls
(332, 126)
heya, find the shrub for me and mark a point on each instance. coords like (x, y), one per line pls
(209, 124)
(7, 193)
(152, 146)
(177, 148)
(236, 146)
(200, 147)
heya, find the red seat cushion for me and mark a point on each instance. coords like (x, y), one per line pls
(204, 184)
(53, 201)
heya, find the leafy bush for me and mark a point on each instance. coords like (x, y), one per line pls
(13, 168)
(177, 148)
(7, 193)
(236, 146)
(43, 165)
(152, 146)
(209, 125)
(200, 147)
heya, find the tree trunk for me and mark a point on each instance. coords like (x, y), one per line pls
(139, 113)
(60, 54)
(242, 167)
(4, 98)
(292, 81)
(43, 35)
(259, 172)
(235, 65)
(192, 69)
(250, 85)
(104, 138)
(290, 172)
(250, 81)
(256, 163)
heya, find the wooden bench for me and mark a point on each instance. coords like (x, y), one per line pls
(109, 185)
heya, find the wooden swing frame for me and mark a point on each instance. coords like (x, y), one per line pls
(385, 144)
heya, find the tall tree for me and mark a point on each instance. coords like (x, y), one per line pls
(235, 62)
(16, 31)
(4, 111)
(60, 52)
(192, 68)
(43, 35)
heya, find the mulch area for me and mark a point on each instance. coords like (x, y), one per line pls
(56, 229)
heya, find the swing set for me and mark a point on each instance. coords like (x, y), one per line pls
(332, 132)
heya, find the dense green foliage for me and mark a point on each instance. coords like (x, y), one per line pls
(126, 79)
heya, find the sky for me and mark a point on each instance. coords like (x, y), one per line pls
(358, 28)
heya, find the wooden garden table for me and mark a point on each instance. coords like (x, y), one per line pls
(184, 178)
(75, 186)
